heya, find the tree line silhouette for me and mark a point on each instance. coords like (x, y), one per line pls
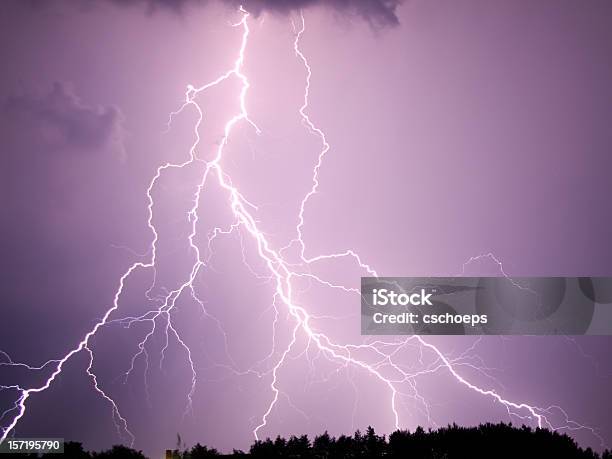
(451, 442)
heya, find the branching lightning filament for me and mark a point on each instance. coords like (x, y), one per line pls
(396, 381)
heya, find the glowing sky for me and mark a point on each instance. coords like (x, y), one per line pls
(464, 129)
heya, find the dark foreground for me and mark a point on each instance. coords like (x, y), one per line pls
(485, 441)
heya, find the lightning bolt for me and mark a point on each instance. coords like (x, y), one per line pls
(378, 358)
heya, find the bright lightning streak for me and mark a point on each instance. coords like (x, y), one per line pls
(342, 352)
(83, 344)
(117, 418)
(314, 129)
(281, 273)
(494, 259)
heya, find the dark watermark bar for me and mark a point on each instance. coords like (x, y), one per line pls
(486, 306)
(32, 446)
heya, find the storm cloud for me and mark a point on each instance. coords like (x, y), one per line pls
(375, 12)
(378, 12)
(59, 120)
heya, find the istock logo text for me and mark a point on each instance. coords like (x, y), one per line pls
(382, 297)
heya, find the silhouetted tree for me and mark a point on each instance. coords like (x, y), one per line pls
(298, 446)
(375, 446)
(200, 452)
(343, 448)
(120, 451)
(264, 448)
(322, 446)
(72, 449)
(280, 445)
(499, 441)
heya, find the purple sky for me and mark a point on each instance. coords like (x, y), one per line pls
(466, 128)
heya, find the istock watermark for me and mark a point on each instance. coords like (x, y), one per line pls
(486, 306)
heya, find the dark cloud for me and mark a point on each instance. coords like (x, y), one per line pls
(59, 120)
(376, 12)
